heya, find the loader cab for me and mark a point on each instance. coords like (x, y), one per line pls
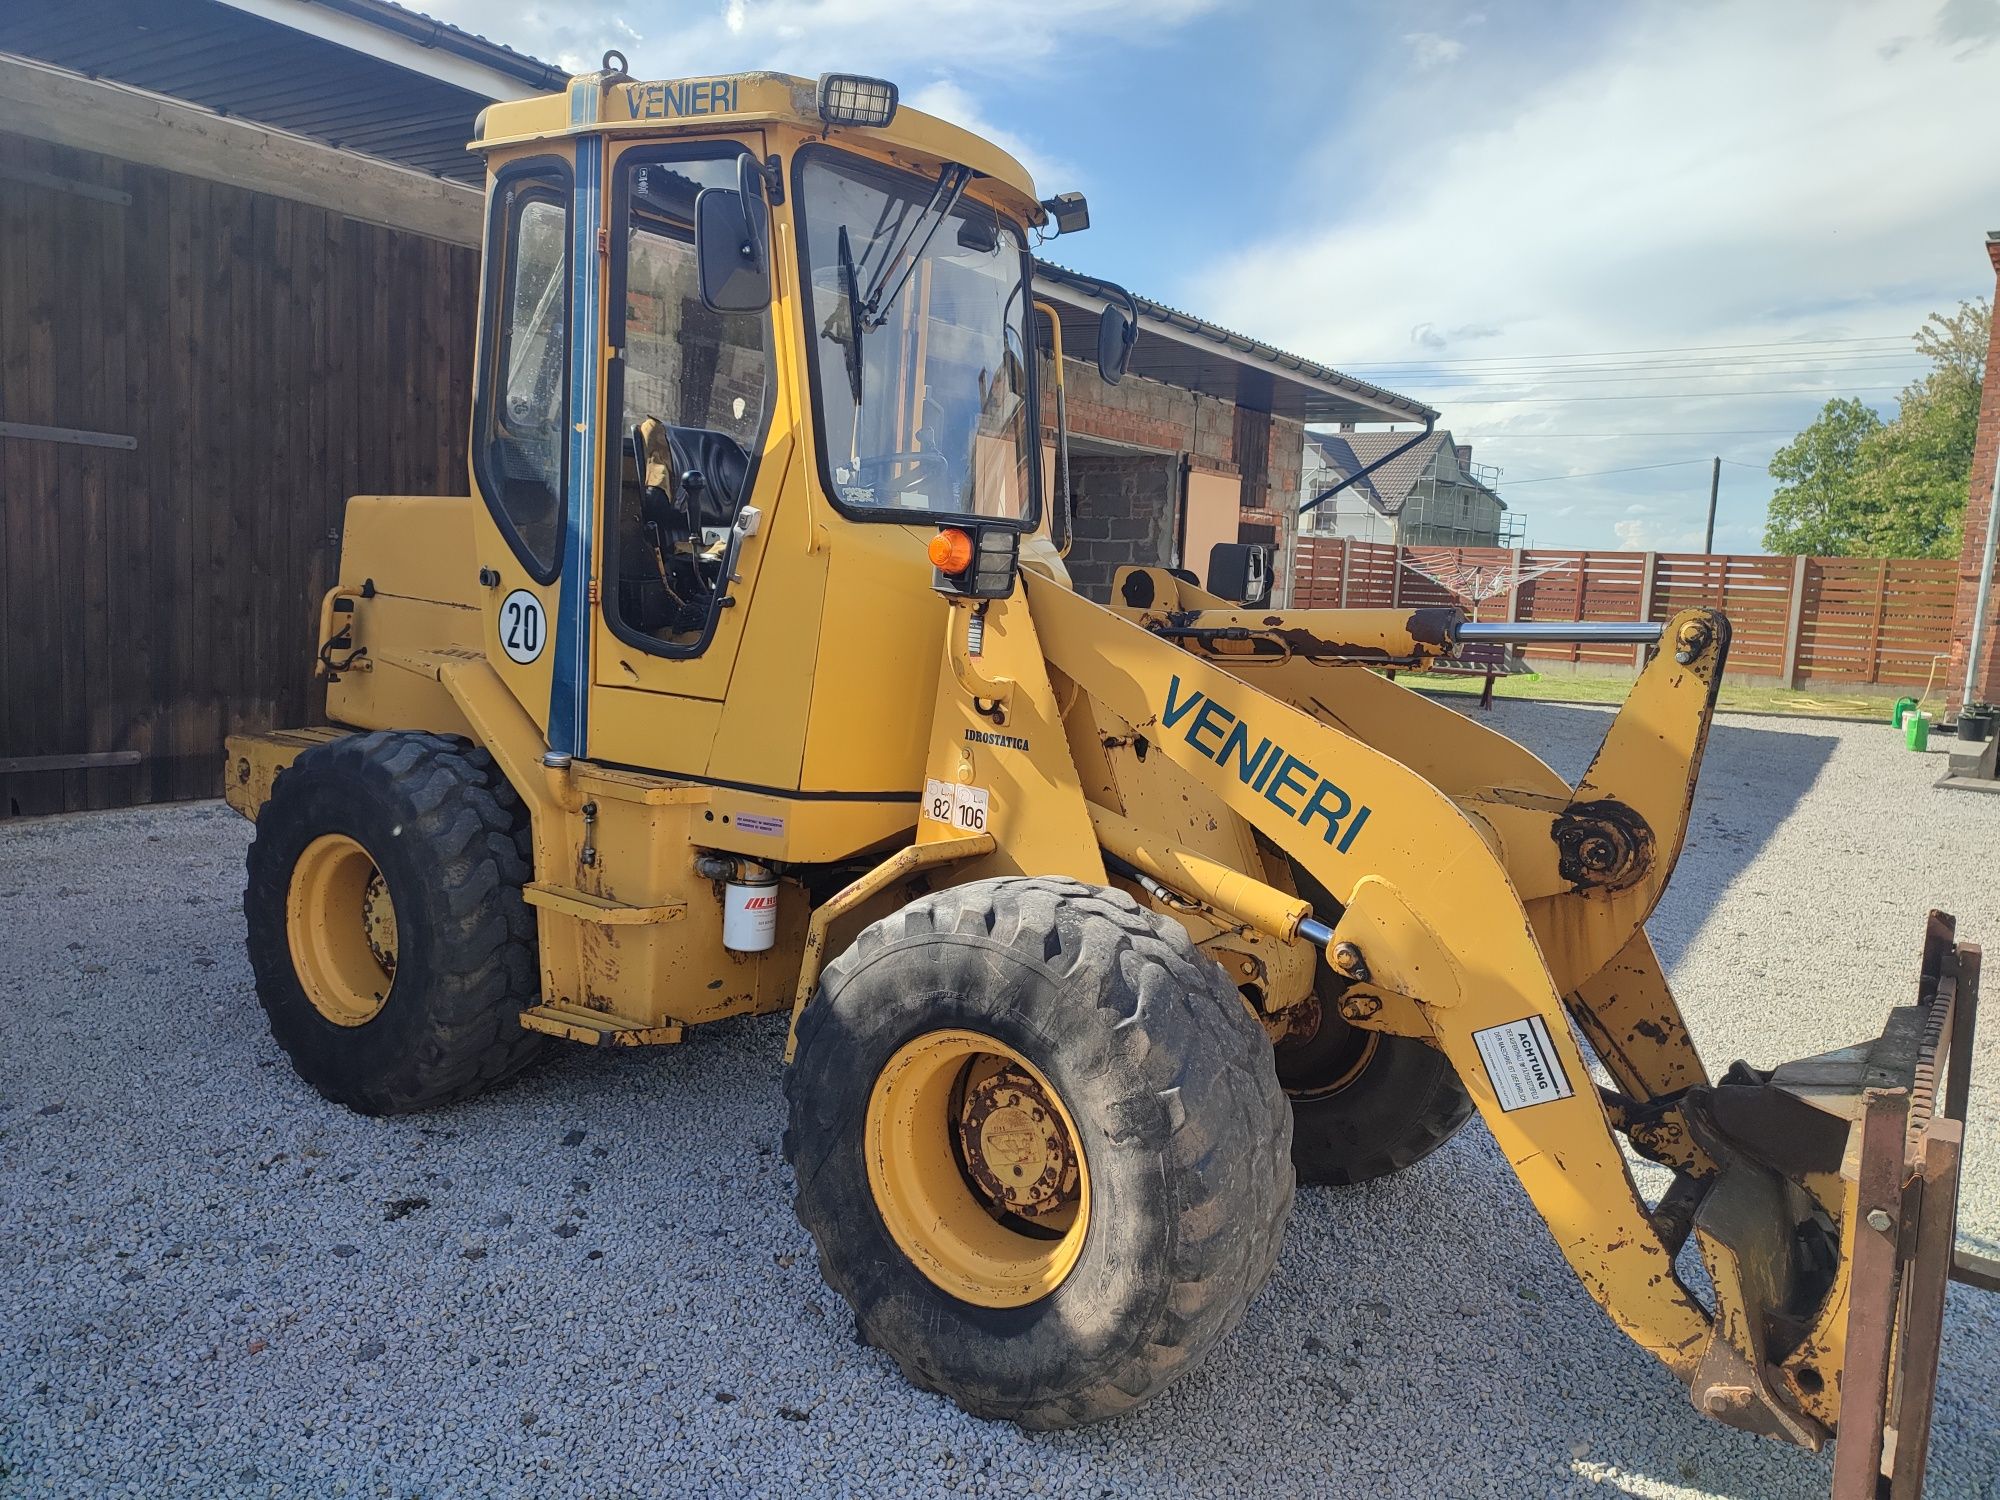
(745, 342)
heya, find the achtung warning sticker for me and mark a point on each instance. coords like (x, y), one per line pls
(1521, 1061)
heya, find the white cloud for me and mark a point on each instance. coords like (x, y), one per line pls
(1708, 174)
(951, 101)
(1431, 50)
(883, 37)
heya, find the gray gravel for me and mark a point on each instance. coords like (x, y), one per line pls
(591, 1282)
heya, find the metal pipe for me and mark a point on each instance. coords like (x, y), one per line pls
(1430, 426)
(1530, 632)
(1315, 932)
(1984, 600)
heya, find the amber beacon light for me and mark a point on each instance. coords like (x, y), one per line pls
(951, 551)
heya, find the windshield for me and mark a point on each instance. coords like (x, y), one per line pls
(922, 391)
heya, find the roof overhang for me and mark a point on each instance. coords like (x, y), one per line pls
(1179, 349)
(389, 33)
(361, 76)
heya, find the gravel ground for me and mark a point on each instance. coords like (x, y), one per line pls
(591, 1282)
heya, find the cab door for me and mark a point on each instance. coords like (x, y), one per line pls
(700, 419)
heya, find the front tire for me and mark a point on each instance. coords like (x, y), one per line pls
(387, 930)
(1040, 1145)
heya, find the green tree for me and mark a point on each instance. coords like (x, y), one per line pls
(1816, 508)
(1853, 485)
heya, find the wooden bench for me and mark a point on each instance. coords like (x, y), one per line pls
(1487, 660)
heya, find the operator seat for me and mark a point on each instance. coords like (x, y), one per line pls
(723, 466)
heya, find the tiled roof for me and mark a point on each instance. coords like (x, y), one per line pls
(1391, 484)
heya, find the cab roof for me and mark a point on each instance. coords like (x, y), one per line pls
(613, 103)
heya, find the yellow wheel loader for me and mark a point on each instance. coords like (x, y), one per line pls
(748, 678)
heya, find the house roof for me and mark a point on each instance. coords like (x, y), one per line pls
(1334, 451)
(1387, 488)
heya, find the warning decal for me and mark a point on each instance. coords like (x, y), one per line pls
(1521, 1061)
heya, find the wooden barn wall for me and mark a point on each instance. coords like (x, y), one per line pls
(271, 359)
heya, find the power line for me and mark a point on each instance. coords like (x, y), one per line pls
(1566, 377)
(1838, 359)
(1679, 463)
(1897, 339)
(1494, 437)
(1760, 468)
(1474, 398)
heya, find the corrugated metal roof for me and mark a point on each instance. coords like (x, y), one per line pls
(256, 69)
(1184, 350)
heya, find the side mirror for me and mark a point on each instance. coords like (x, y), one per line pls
(1240, 571)
(756, 215)
(732, 273)
(1116, 334)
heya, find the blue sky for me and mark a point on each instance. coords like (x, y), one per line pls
(1469, 201)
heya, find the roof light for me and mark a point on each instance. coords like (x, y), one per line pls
(1070, 211)
(850, 99)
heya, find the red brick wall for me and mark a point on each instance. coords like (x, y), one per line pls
(1978, 504)
(1149, 414)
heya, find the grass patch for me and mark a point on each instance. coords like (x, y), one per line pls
(1736, 697)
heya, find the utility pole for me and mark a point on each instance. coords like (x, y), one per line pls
(1714, 484)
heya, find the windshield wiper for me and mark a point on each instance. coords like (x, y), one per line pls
(850, 286)
(951, 185)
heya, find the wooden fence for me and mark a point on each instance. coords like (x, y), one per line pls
(238, 365)
(1800, 620)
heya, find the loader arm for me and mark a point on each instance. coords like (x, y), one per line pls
(1597, 948)
(1482, 901)
(1434, 918)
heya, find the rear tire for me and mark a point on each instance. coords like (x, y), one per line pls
(1181, 1166)
(1364, 1103)
(388, 1011)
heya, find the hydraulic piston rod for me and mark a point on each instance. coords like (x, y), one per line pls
(1533, 632)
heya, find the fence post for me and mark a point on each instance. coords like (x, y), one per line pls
(1645, 605)
(1396, 577)
(1875, 629)
(1346, 556)
(1519, 566)
(1794, 623)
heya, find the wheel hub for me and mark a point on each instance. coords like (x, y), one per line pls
(341, 925)
(378, 922)
(1319, 1053)
(1015, 1147)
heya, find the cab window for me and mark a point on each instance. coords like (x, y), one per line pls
(521, 450)
(692, 395)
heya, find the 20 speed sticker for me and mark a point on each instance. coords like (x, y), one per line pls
(963, 807)
(1522, 1063)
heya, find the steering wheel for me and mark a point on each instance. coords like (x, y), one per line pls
(923, 462)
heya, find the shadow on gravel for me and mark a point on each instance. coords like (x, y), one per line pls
(1752, 778)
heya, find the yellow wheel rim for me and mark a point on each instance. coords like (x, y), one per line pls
(342, 928)
(977, 1169)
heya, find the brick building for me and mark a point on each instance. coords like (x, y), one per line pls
(1203, 442)
(1985, 674)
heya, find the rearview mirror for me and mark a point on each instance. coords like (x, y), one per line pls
(727, 252)
(1116, 334)
(1240, 571)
